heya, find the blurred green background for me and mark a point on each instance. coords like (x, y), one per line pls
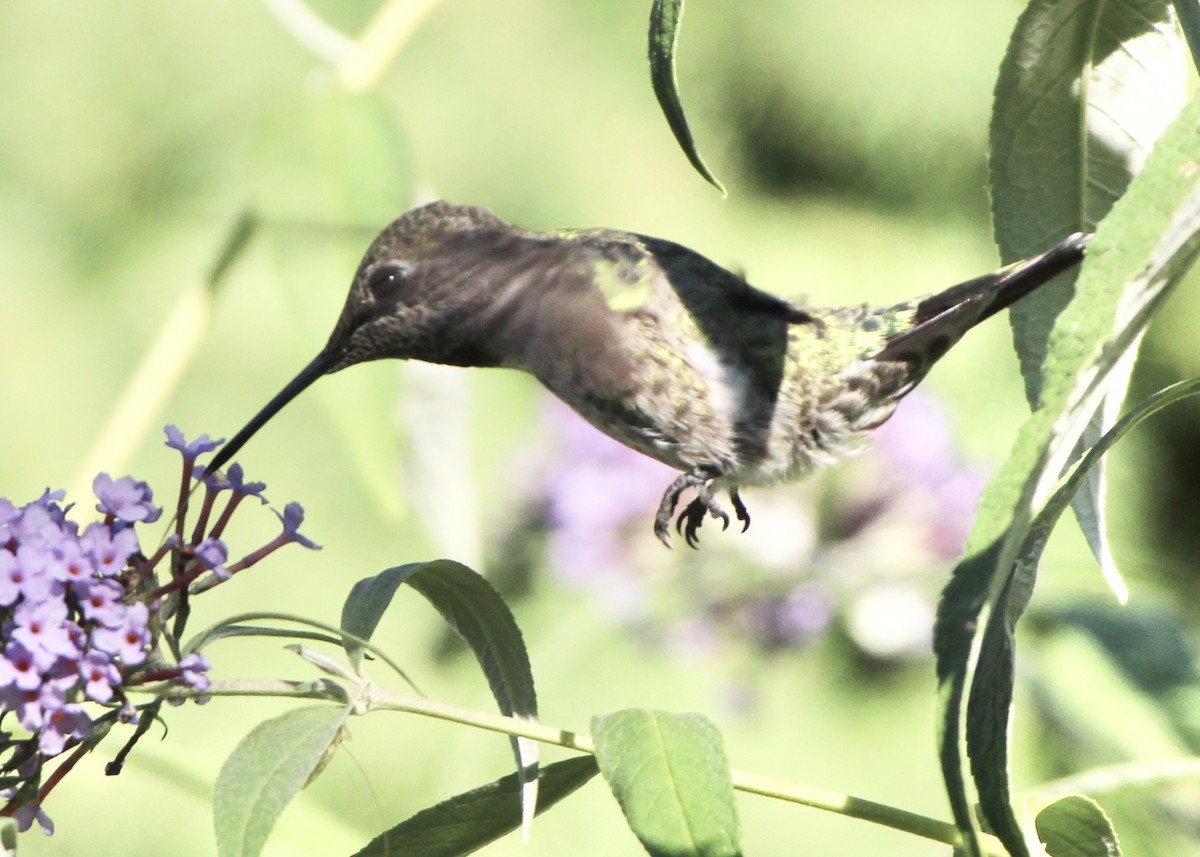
(133, 135)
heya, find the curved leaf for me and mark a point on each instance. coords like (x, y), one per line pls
(266, 770)
(477, 612)
(1085, 89)
(469, 821)
(665, 16)
(669, 774)
(1139, 252)
(1043, 525)
(369, 598)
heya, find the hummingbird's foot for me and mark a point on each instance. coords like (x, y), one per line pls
(692, 517)
(695, 511)
(702, 505)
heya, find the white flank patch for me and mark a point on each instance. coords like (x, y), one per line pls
(726, 384)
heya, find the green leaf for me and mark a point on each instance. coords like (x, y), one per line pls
(665, 16)
(369, 598)
(266, 770)
(1139, 252)
(1076, 826)
(477, 612)
(471, 820)
(232, 250)
(1043, 525)
(669, 774)
(1189, 21)
(473, 608)
(1085, 89)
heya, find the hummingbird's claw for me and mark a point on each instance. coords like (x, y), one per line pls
(739, 508)
(692, 517)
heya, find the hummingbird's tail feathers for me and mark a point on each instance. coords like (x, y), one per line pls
(940, 320)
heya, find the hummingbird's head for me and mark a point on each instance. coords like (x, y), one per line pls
(407, 300)
(414, 290)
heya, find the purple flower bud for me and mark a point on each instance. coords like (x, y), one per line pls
(236, 483)
(26, 815)
(192, 669)
(212, 555)
(190, 451)
(292, 518)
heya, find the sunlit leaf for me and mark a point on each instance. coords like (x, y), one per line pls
(1085, 89)
(1076, 826)
(665, 16)
(469, 821)
(1139, 252)
(266, 770)
(669, 774)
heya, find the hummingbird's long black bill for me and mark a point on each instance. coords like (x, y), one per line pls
(314, 370)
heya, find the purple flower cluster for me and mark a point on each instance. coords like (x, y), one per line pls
(68, 628)
(83, 615)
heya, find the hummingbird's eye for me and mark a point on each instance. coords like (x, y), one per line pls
(388, 281)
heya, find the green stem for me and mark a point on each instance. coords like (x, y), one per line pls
(228, 628)
(380, 699)
(381, 41)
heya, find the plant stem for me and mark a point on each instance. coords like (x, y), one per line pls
(380, 699)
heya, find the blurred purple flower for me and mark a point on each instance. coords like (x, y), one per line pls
(598, 490)
(126, 641)
(126, 499)
(916, 442)
(27, 814)
(193, 669)
(109, 551)
(212, 554)
(100, 675)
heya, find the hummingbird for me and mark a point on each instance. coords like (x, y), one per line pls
(652, 343)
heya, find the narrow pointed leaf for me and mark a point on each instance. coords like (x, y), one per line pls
(665, 16)
(669, 774)
(368, 600)
(1140, 251)
(477, 612)
(266, 770)
(469, 821)
(1085, 89)
(1076, 826)
(1041, 528)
